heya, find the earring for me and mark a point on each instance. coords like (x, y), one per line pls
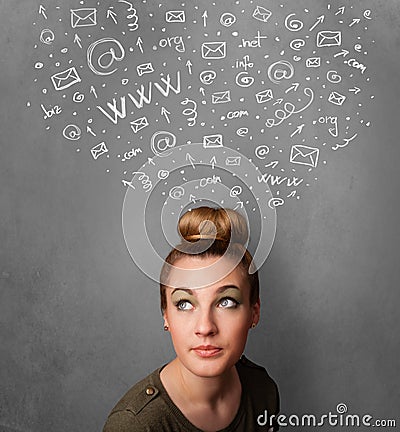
(166, 328)
(253, 325)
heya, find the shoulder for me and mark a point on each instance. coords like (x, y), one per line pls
(137, 408)
(259, 383)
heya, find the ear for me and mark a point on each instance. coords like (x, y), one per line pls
(165, 318)
(256, 311)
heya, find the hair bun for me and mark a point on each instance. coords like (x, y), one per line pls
(208, 223)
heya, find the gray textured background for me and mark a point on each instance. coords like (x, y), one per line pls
(80, 324)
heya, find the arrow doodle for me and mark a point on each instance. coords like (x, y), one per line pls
(298, 130)
(189, 65)
(78, 40)
(93, 91)
(343, 53)
(355, 90)
(320, 20)
(190, 159)
(139, 43)
(293, 87)
(111, 14)
(205, 16)
(213, 161)
(355, 21)
(165, 113)
(42, 11)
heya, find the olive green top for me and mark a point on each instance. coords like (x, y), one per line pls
(147, 407)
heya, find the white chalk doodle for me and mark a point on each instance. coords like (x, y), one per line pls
(367, 14)
(237, 114)
(355, 90)
(297, 44)
(147, 184)
(213, 141)
(72, 132)
(243, 79)
(47, 36)
(261, 151)
(272, 164)
(356, 65)
(164, 112)
(83, 17)
(244, 63)
(261, 14)
(205, 181)
(235, 191)
(112, 15)
(289, 109)
(99, 150)
(131, 154)
(277, 180)
(342, 53)
(142, 97)
(292, 24)
(139, 124)
(336, 98)
(280, 70)
(163, 174)
(207, 77)
(345, 143)
(177, 192)
(304, 155)
(333, 77)
(42, 11)
(253, 43)
(50, 112)
(233, 160)
(89, 130)
(65, 79)
(221, 97)
(328, 38)
(330, 120)
(110, 53)
(213, 50)
(144, 68)
(189, 65)
(78, 97)
(313, 62)
(298, 130)
(175, 42)
(78, 40)
(319, 21)
(264, 96)
(161, 141)
(175, 16)
(242, 132)
(275, 202)
(139, 43)
(190, 112)
(134, 24)
(227, 19)
(205, 17)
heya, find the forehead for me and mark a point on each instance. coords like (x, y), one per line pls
(194, 272)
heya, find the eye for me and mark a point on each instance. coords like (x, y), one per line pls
(228, 303)
(184, 305)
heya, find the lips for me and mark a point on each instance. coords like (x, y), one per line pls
(206, 351)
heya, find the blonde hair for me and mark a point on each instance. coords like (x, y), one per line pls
(225, 227)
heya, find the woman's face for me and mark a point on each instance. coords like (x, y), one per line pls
(209, 326)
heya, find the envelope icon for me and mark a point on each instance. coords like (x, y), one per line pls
(175, 16)
(99, 150)
(336, 98)
(328, 38)
(213, 50)
(304, 155)
(212, 141)
(264, 96)
(84, 17)
(144, 68)
(221, 97)
(262, 14)
(233, 160)
(313, 62)
(65, 79)
(139, 124)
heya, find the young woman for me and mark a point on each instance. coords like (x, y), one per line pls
(210, 301)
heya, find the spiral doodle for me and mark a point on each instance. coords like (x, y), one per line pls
(341, 408)
(293, 25)
(190, 111)
(72, 132)
(244, 80)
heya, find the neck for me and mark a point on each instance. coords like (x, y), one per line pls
(204, 391)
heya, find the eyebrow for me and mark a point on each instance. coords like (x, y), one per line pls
(219, 290)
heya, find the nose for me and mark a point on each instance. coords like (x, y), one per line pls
(206, 324)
